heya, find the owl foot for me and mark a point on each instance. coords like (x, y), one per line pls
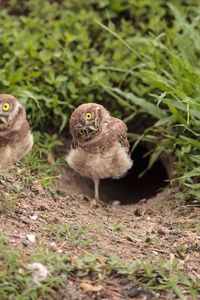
(96, 203)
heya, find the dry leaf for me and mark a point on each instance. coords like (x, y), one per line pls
(50, 159)
(21, 171)
(36, 185)
(88, 287)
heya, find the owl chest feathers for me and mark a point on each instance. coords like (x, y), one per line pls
(12, 152)
(15, 142)
(108, 164)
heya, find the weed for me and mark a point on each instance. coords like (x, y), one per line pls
(170, 68)
(35, 163)
(9, 197)
(72, 234)
(17, 281)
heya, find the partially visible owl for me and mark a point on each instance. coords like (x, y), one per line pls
(99, 148)
(15, 137)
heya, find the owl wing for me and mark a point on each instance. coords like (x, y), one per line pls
(74, 144)
(121, 134)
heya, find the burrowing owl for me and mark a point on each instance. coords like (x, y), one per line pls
(99, 148)
(15, 137)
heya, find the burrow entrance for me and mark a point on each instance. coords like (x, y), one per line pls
(129, 189)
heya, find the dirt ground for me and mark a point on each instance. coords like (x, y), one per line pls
(159, 226)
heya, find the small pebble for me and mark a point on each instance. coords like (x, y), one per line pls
(31, 238)
(116, 202)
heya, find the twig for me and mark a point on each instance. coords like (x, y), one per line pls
(15, 235)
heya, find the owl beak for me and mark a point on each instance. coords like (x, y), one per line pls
(92, 128)
(3, 120)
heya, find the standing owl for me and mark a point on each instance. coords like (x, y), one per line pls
(99, 148)
(15, 137)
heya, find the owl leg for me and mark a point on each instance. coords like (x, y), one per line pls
(96, 188)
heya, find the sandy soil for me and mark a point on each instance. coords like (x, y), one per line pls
(160, 226)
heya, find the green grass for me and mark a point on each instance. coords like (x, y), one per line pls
(35, 167)
(171, 71)
(36, 162)
(16, 280)
(72, 234)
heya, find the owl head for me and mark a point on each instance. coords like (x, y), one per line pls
(86, 121)
(10, 110)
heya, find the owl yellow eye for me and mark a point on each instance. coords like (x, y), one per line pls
(6, 106)
(88, 116)
(81, 131)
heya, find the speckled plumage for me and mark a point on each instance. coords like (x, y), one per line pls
(15, 137)
(102, 151)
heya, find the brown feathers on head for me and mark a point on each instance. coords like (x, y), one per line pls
(94, 129)
(10, 111)
(86, 121)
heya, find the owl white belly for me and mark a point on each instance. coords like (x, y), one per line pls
(12, 153)
(111, 164)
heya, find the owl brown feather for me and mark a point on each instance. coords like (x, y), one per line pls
(15, 137)
(99, 146)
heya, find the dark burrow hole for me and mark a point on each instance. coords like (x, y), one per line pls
(131, 188)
